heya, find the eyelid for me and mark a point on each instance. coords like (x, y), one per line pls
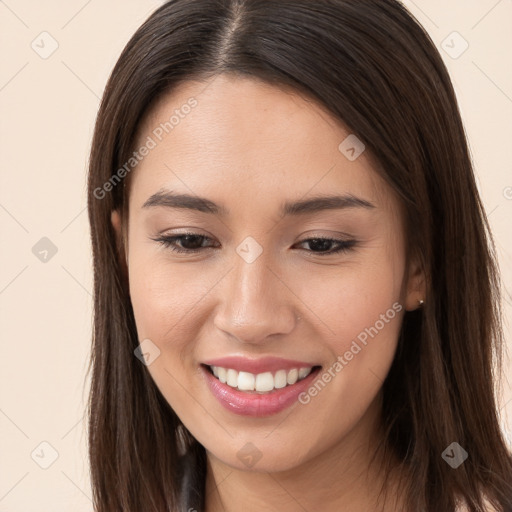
(169, 241)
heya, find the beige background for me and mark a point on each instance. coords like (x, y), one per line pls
(48, 109)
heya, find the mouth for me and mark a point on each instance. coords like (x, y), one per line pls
(263, 383)
(270, 391)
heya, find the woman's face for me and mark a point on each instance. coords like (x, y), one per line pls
(262, 286)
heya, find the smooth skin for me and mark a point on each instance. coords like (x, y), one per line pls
(249, 147)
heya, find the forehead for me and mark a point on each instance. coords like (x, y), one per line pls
(251, 139)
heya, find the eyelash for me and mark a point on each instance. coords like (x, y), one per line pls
(169, 242)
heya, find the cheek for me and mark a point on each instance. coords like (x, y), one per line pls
(359, 317)
(349, 300)
(162, 292)
(167, 303)
(161, 297)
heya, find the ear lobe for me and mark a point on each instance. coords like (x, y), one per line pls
(416, 287)
(122, 250)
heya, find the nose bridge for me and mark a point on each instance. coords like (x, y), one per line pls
(255, 303)
(251, 287)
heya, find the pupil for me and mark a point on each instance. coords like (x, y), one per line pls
(323, 244)
(187, 241)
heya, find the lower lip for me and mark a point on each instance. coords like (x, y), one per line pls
(253, 404)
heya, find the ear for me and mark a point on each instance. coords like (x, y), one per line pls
(122, 247)
(415, 287)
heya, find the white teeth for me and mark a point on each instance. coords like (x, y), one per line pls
(262, 382)
(280, 379)
(246, 381)
(292, 376)
(222, 374)
(304, 372)
(232, 378)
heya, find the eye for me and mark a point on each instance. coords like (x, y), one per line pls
(323, 245)
(191, 243)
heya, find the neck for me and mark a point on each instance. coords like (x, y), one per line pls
(347, 477)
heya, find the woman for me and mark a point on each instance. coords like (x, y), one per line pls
(296, 295)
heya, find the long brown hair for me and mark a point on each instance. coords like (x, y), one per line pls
(373, 66)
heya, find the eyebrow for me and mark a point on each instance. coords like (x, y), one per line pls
(170, 199)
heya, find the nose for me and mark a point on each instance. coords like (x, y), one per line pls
(255, 303)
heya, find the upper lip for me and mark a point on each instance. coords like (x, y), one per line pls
(261, 365)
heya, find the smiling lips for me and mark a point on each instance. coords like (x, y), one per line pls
(257, 387)
(261, 382)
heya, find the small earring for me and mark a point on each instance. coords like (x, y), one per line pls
(421, 302)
